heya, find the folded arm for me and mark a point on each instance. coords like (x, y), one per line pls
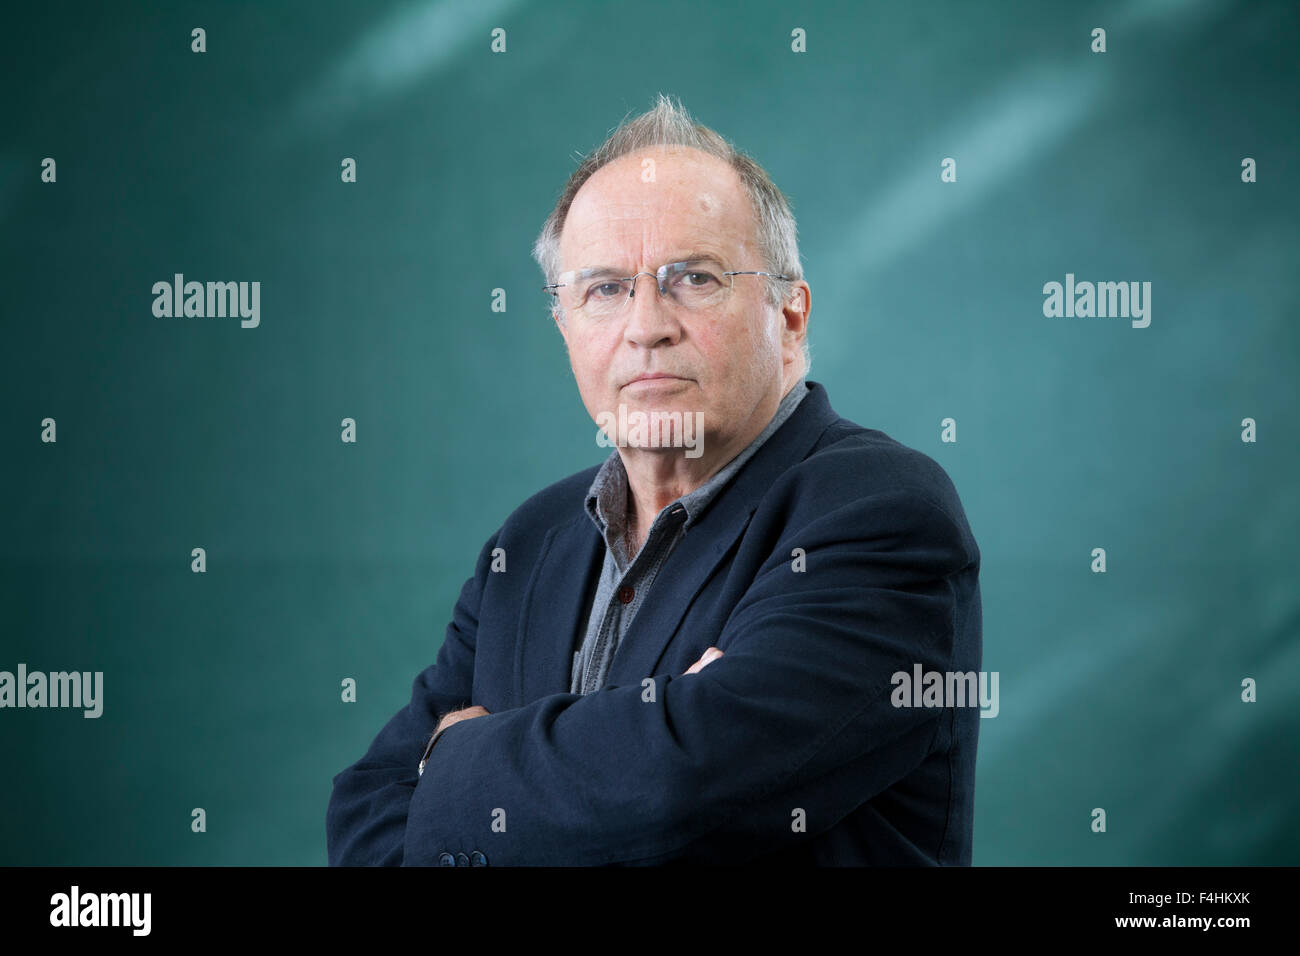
(803, 692)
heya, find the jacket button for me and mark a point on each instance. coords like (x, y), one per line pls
(462, 859)
(477, 859)
(446, 859)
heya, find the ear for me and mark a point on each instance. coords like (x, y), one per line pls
(797, 307)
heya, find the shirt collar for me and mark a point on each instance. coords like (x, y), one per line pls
(607, 498)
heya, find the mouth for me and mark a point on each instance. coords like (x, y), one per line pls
(656, 377)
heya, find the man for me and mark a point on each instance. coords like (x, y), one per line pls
(687, 653)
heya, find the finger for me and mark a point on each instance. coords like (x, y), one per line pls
(712, 654)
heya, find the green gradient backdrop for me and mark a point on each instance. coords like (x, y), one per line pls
(328, 560)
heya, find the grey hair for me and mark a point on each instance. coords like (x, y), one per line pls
(669, 124)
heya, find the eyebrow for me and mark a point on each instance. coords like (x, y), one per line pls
(696, 256)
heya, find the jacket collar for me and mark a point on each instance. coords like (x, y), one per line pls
(569, 564)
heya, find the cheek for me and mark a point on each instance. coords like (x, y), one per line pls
(761, 347)
(583, 355)
(592, 358)
(734, 352)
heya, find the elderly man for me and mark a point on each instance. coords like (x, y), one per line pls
(689, 652)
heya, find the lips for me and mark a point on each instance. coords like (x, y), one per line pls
(652, 376)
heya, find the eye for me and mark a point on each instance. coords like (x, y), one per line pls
(698, 281)
(603, 290)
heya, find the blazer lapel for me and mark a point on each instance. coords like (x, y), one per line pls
(553, 606)
(699, 552)
(558, 597)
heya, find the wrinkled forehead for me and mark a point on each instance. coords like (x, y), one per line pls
(621, 218)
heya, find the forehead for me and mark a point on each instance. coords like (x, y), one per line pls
(656, 204)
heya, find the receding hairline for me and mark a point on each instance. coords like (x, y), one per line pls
(688, 247)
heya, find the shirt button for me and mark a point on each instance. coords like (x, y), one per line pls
(625, 594)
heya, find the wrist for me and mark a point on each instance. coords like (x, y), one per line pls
(424, 758)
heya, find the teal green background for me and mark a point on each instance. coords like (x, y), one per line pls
(327, 560)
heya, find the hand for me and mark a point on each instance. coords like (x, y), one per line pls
(455, 715)
(712, 654)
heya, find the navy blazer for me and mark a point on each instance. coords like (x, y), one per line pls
(834, 559)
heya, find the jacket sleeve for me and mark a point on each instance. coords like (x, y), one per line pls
(366, 818)
(804, 690)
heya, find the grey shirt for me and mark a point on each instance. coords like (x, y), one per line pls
(626, 579)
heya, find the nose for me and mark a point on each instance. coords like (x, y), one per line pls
(632, 291)
(651, 320)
